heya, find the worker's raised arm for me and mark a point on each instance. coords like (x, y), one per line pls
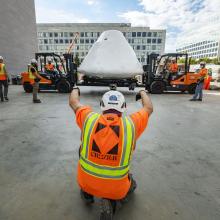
(74, 99)
(146, 102)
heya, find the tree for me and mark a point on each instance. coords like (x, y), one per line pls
(76, 60)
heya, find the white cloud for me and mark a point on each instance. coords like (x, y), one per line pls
(92, 2)
(57, 16)
(185, 20)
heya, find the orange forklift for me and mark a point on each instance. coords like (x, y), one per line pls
(158, 78)
(62, 78)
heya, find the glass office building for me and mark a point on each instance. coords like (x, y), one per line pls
(57, 38)
(202, 49)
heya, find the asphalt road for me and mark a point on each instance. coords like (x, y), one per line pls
(176, 163)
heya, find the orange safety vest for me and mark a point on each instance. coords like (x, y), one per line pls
(106, 162)
(49, 67)
(173, 67)
(203, 72)
(3, 75)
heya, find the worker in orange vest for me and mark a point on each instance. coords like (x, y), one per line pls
(34, 75)
(49, 66)
(173, 68)
(3, 81)
(203, 73)
(107, 144)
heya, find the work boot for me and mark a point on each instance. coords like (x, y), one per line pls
(199, 100)
(192, 100)
(37, 101)
(6, 99)
(106, 209)
(87, 198)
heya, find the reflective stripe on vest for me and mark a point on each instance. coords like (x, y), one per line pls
(128, 142)
(2, 72)
(31, 76)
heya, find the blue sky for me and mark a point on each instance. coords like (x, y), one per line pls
(183, 19)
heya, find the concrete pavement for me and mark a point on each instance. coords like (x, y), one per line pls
(176, 163)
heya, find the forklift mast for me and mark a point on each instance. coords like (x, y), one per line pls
(71, 68)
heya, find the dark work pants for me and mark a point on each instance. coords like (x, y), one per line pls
(3, 83)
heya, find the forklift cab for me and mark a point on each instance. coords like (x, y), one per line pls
(164, 62)
(159, 78)
(61, 78)
(59, 69)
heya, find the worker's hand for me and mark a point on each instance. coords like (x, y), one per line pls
(138, 96)
(77, 88)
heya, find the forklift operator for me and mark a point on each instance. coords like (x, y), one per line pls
(49, 66)
(173, 68)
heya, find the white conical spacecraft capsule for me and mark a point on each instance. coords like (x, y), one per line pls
(111, 57)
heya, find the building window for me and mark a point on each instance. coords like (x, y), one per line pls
(87, 41)
(128, 34)
(66, 41)
(132, 41)
(149, 34)
(55, 34)
(50, 34)
(143, 47)
(92, 41)
(153, 47)
(71, 34)
(138, 47)
(45, 41)
(159, 41)
(82, 41)
(133, 34)
(82, 34)
(61, 41)
(154, 41)
(149, 41)
(144, 34)
(44, 34)
(60, 34)
(138, 34)
(56, 41)
(98, 34)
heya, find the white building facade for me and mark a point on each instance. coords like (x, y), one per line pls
(57, 38)
(202, 49)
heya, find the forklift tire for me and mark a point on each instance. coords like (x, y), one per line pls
(157, 87)
(192, 88)
(28, 88)
(63, 86)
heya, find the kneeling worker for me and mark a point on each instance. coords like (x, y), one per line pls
(33, 74)
(107, 143)
(3, 81)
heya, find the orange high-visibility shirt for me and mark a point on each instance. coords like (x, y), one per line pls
(203, 72)
(106, 140)
(173, 68)
(50, 67)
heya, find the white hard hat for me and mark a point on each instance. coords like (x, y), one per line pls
(33, 61)
(49, 60)
(1, 58)
(173, 59)
(113, 100)
(202, 63)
